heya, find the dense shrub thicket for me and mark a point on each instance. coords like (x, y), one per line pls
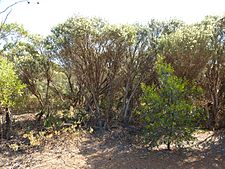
(90, 71)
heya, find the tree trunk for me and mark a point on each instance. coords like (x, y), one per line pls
(128, 101)
(45, 106)
(168, 145)
(7, 125)
(211, 113)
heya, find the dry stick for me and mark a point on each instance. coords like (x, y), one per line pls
(7, 8)
(207, 139)
(3, 23)
(12, 6)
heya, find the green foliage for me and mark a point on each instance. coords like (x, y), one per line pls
(72, 117)
(53, 121)
(96, 68)
(187, 49)
(10, 85)
(168, 109)
(38, 138)
(34, 140)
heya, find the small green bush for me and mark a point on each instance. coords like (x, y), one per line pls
(168, 108)
(10, 85)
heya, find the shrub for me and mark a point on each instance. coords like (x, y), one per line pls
(168, 108)
(10, 89)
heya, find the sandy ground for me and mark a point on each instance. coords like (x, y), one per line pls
(111, 151)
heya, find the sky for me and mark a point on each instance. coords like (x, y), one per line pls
(40, 18)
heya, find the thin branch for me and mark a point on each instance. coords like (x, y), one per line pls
(7, 16)
(3, 23)
(12, 5)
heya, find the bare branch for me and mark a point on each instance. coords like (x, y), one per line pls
(8, 7)
(5, 20)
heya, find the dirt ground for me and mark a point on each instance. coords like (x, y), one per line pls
(111, 150)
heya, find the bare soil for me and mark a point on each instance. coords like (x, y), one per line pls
(109, 150)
